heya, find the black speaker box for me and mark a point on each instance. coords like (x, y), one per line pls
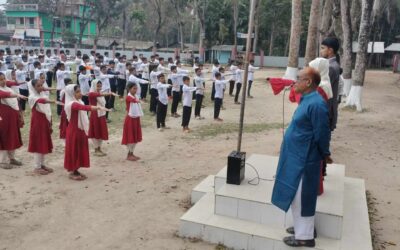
(236, 167)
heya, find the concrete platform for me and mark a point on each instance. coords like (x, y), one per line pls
(253, 202)
(201, 222)
(205, 186)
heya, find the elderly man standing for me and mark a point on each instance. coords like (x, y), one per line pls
(305, 144)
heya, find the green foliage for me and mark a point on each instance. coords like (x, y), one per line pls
(68, 37)
(138, 15)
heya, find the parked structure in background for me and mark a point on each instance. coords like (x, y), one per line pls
(39, 25)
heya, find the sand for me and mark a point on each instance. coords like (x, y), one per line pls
(125, 205)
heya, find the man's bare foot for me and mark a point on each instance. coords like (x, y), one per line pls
(131, 157)
(40, 171)
(137, 157)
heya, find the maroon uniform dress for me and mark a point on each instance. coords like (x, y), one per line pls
(10, 134)
(63, 122)
(97, 124)
(132, 128)
(40, 133)
(76, 141)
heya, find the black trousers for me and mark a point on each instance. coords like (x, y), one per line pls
(199, 102)
(108, 103)
(144, 87)
(121, 87)
(59, 107)
(161, 114)
(85, 99)
(217, 107)
(49, 78)
(249, 87)
(175, 101)
(113, 87)
(213, 92)
(231, 87)
(187, 112)
(238, 87)
(153, 100)
(180, 93)
(22, 103)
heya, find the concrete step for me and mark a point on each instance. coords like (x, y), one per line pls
(253, 202)
(201, 222)
(205, 186)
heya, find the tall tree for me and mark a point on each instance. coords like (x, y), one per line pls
(235, 8)
(178, 6)
(346, 61)
(295, 32)
(354, 98)
(157, 7)
(312, 43)
(256, 25)
(85, 16)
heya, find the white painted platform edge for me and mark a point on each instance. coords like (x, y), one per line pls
(205, 186)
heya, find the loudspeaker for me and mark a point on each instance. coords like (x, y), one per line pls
(236, 167)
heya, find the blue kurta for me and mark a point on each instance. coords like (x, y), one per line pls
(305, 145)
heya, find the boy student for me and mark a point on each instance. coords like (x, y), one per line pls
(252, 68)
(162, 105)
(121, 68)
(83, 79)
(199, 84)
(175, 79)
(133, 78)
(187, 102)
(239, 80)
(144, 69)
(104, 78)
(219, 95)
(215, 69)
(232, 79)
(153, 87)
(113, 82)
(21, 77)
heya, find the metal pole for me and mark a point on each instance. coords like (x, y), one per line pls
(246, 72)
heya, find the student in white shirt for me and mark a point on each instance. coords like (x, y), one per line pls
(219, 95)
(170, 62)
(176, 79)
(144, 70)
(162, 105)
(96, 69)
(187, 103)
(133, 78)
(153, 87)
(215, 69)
(121, 82)
(239, 80)
(61, 74)
(232, 79)
(199, 84)
(106, 87)
(252, 68)
(21, 76)
(84, 78)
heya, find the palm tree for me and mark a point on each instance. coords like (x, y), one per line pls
(354, 98)
(295, 31)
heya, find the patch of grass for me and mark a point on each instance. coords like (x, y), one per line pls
(213, 130)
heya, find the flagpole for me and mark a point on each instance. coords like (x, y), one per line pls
(246, 72)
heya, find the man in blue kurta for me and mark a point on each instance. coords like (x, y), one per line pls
(305, 145)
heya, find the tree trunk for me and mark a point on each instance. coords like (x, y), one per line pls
(124, 29)
(201, 16)
(271, 39)
(235, 6)
(311, 47)
(326, 19)
(354, 98)
(355, 13)
(256, 26)
(295, 32)
(347, 45)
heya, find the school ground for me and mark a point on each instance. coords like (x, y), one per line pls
(125, 205)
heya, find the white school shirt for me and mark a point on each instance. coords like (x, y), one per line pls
(121, 68)
(134, 79)
(251, 72)
(37, 72)
(239, 75)
(144, 68)
(3, 66)
(84, 83)
(182, 72)
(137, 65)
(92, 59)
(105, 80)
(26, 66)
(214, 71)
(31, 60)
(233, 69)
(21, 78)
(60, 76)
(162, 92)
(175, 81)
(187, 95)
(198, 82)
(153, 79)
(219, 88)
(78, 62)
(162, 68)
(170, 65)
(96, 72)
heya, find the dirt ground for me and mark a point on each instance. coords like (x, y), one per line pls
(125, 205)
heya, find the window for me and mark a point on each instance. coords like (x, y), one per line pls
(11, 20)
(31, 22)
(21, 20)
(57, 23)
(68, 24)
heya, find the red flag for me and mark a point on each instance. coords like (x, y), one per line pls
(278, 84)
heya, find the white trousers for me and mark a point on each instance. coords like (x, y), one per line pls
(97, 143)
(303, 226)
(131, 147)
(5, 156)
(39, 160)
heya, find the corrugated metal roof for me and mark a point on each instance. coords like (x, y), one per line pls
(379, 47)
(393, 47)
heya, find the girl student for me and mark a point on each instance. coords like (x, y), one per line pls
(98, 130)
(132, 133)
(10, 123)
(76, 140)
(40, 142)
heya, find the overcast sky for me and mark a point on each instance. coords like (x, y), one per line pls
(2, 2)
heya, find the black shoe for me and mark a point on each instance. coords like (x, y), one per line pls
(292, 242)
(290, 230)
